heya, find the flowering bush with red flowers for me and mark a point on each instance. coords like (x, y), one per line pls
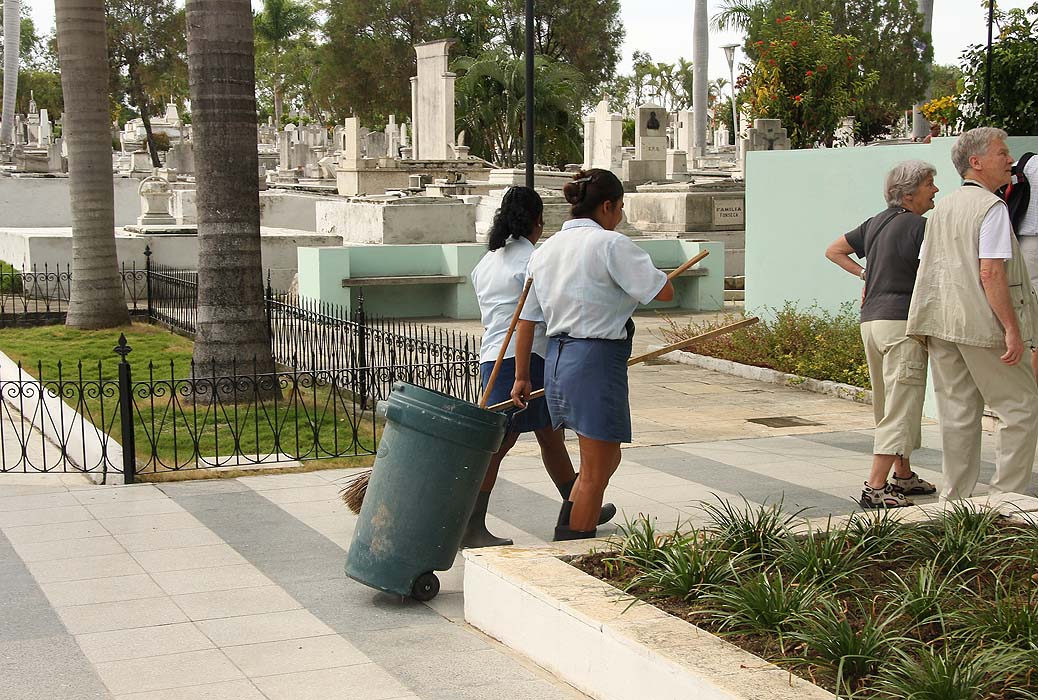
(806, 76)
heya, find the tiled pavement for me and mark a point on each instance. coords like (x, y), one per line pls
(234, 590)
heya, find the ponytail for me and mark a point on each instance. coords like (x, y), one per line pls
(589, 188)
(521, 209)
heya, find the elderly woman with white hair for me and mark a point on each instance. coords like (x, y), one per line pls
(890, 242)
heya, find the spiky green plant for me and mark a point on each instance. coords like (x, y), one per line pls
(753, 531)
(823, 557)
(964, 537)
(877, 533)
(925, 594)
(852, 651)
(685, 569)
(930, 674)
(1007, 618)
(763, 603)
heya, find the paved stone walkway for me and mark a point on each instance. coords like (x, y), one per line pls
(234, 589)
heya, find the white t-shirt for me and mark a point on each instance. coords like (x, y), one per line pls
(1029, 225)
(498, 280)
(588, 281)
(996, 234)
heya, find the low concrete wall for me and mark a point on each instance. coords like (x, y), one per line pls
(41, 202)
(53, 248)
(322, 271)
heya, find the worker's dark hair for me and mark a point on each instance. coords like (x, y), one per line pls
(589, 188)
(521, 209)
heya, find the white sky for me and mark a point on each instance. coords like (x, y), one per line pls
(664, 28)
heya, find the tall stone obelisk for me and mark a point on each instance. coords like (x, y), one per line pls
(700, 62)
(920, 127)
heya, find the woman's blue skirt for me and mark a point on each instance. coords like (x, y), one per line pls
(536, 415)
(586, 386)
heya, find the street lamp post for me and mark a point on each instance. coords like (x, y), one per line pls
(528, 122)
(729, 53)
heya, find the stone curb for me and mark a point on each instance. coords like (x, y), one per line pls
(769, 376)
(590, 634)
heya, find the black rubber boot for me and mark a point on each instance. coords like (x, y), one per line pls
(608, 509)
(476, 533)
(562, 529)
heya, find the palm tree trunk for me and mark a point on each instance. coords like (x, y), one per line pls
(96, 298)
(700, 59)
(12, 40)
(232, 322)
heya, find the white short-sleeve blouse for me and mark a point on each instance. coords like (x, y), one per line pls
(587, 282)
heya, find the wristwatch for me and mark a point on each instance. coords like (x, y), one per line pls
(862, 275)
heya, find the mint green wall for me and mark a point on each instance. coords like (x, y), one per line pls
(798, 202)
(322, 270)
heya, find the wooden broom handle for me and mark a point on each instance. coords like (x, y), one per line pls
(690, 263)
(504, 348)
(681, 344)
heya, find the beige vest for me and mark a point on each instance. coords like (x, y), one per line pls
(948, 301)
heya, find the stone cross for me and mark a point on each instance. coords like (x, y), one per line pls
(767, 135)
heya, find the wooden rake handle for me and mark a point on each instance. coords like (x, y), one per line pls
(508, 338)
(680, 345)
(685, 266)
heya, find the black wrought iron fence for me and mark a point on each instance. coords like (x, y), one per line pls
(305, 334)
(40, 296)
(113, 418)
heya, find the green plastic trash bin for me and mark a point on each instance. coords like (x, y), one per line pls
(431, 461)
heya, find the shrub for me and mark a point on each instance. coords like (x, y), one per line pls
(161, 140)
(10, 279)
(814, 343)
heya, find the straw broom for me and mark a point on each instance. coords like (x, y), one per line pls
(353, 492)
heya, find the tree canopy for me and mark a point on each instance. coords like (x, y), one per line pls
(890, 42)
(284, 49)
(367, 57)
(147, 47)
(1014, 76)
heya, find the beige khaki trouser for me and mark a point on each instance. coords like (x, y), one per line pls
(965, 377)
(897, 369)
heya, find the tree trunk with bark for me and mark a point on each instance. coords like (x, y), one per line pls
(232, 322)
(146, 120)
(12, 42)
(96, 297)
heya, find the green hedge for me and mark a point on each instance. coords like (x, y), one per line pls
(10, 279)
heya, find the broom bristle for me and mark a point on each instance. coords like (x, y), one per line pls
(352, 494)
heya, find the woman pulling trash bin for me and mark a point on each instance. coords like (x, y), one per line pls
(587, 281)
(498, 280)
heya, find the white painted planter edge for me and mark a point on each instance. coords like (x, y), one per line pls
(581, 628)
(770, 376)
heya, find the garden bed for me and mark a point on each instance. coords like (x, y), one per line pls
(924, 603)
(799, 344)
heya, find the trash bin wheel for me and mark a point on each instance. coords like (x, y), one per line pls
(425, 587)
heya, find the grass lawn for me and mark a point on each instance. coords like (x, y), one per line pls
(308, 421)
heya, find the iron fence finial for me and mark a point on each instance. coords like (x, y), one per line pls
(123, 348)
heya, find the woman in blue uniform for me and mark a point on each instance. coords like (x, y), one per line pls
(587, 281)
(498, 280)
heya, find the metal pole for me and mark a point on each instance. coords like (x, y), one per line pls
(126, 413)
(987, 81)
(528, 124)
